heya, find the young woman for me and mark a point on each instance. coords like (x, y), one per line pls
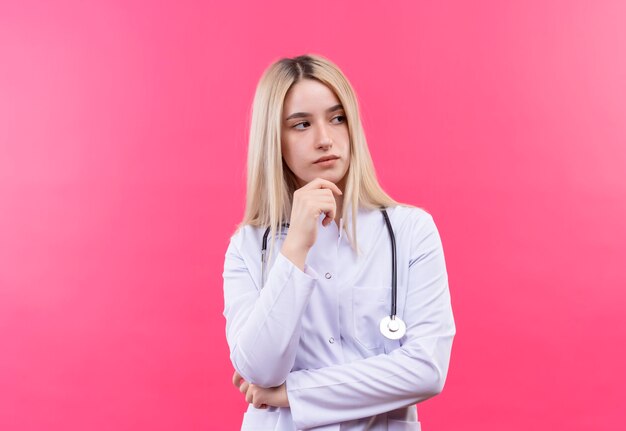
(345, 323)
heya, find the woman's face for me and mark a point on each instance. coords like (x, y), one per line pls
(314, 127)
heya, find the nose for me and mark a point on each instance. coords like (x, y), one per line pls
(324, 139)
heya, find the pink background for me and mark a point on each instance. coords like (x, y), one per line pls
(122, 152)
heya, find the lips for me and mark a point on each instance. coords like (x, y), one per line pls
(325, 158)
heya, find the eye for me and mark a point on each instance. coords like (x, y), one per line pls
(301, 125)
(338, 119)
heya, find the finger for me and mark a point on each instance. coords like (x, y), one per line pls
(244, 387)
(330, 210)
(237, 379)
(320, 183)
(321, 192)
(330, 216)
(325, 184)
(258, 397)
(322, 202)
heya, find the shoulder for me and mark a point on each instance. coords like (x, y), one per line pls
(410, 216)
(405, 219)
(416, 226)
(246, 236)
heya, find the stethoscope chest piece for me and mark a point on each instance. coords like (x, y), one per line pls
(392, 328)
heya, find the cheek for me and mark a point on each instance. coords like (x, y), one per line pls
(343, 135)
(285, 148)
(290, 154)
(345, 139)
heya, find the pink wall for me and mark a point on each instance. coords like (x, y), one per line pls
(122, 144)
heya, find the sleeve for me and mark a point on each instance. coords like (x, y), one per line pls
(410, 374)
(263, 327)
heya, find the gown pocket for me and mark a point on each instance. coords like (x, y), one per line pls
(397, 425)
(260, 419)
(369, 306)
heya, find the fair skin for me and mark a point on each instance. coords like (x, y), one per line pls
(314, 127)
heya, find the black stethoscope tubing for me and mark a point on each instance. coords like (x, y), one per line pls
(394, 264)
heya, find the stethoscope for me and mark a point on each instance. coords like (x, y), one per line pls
(390, 326)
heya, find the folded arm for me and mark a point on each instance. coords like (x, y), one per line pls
(263, 327)
(410, 374)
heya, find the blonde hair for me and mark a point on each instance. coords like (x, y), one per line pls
(270, 183)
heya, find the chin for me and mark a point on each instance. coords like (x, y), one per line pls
(333, 177)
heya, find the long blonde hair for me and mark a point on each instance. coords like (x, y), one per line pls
(270, 183)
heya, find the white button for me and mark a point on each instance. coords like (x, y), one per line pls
(328, 275)
(331, 340)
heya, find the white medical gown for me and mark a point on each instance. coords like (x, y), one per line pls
(318, 329)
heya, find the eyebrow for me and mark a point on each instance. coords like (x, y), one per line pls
(337, 107)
